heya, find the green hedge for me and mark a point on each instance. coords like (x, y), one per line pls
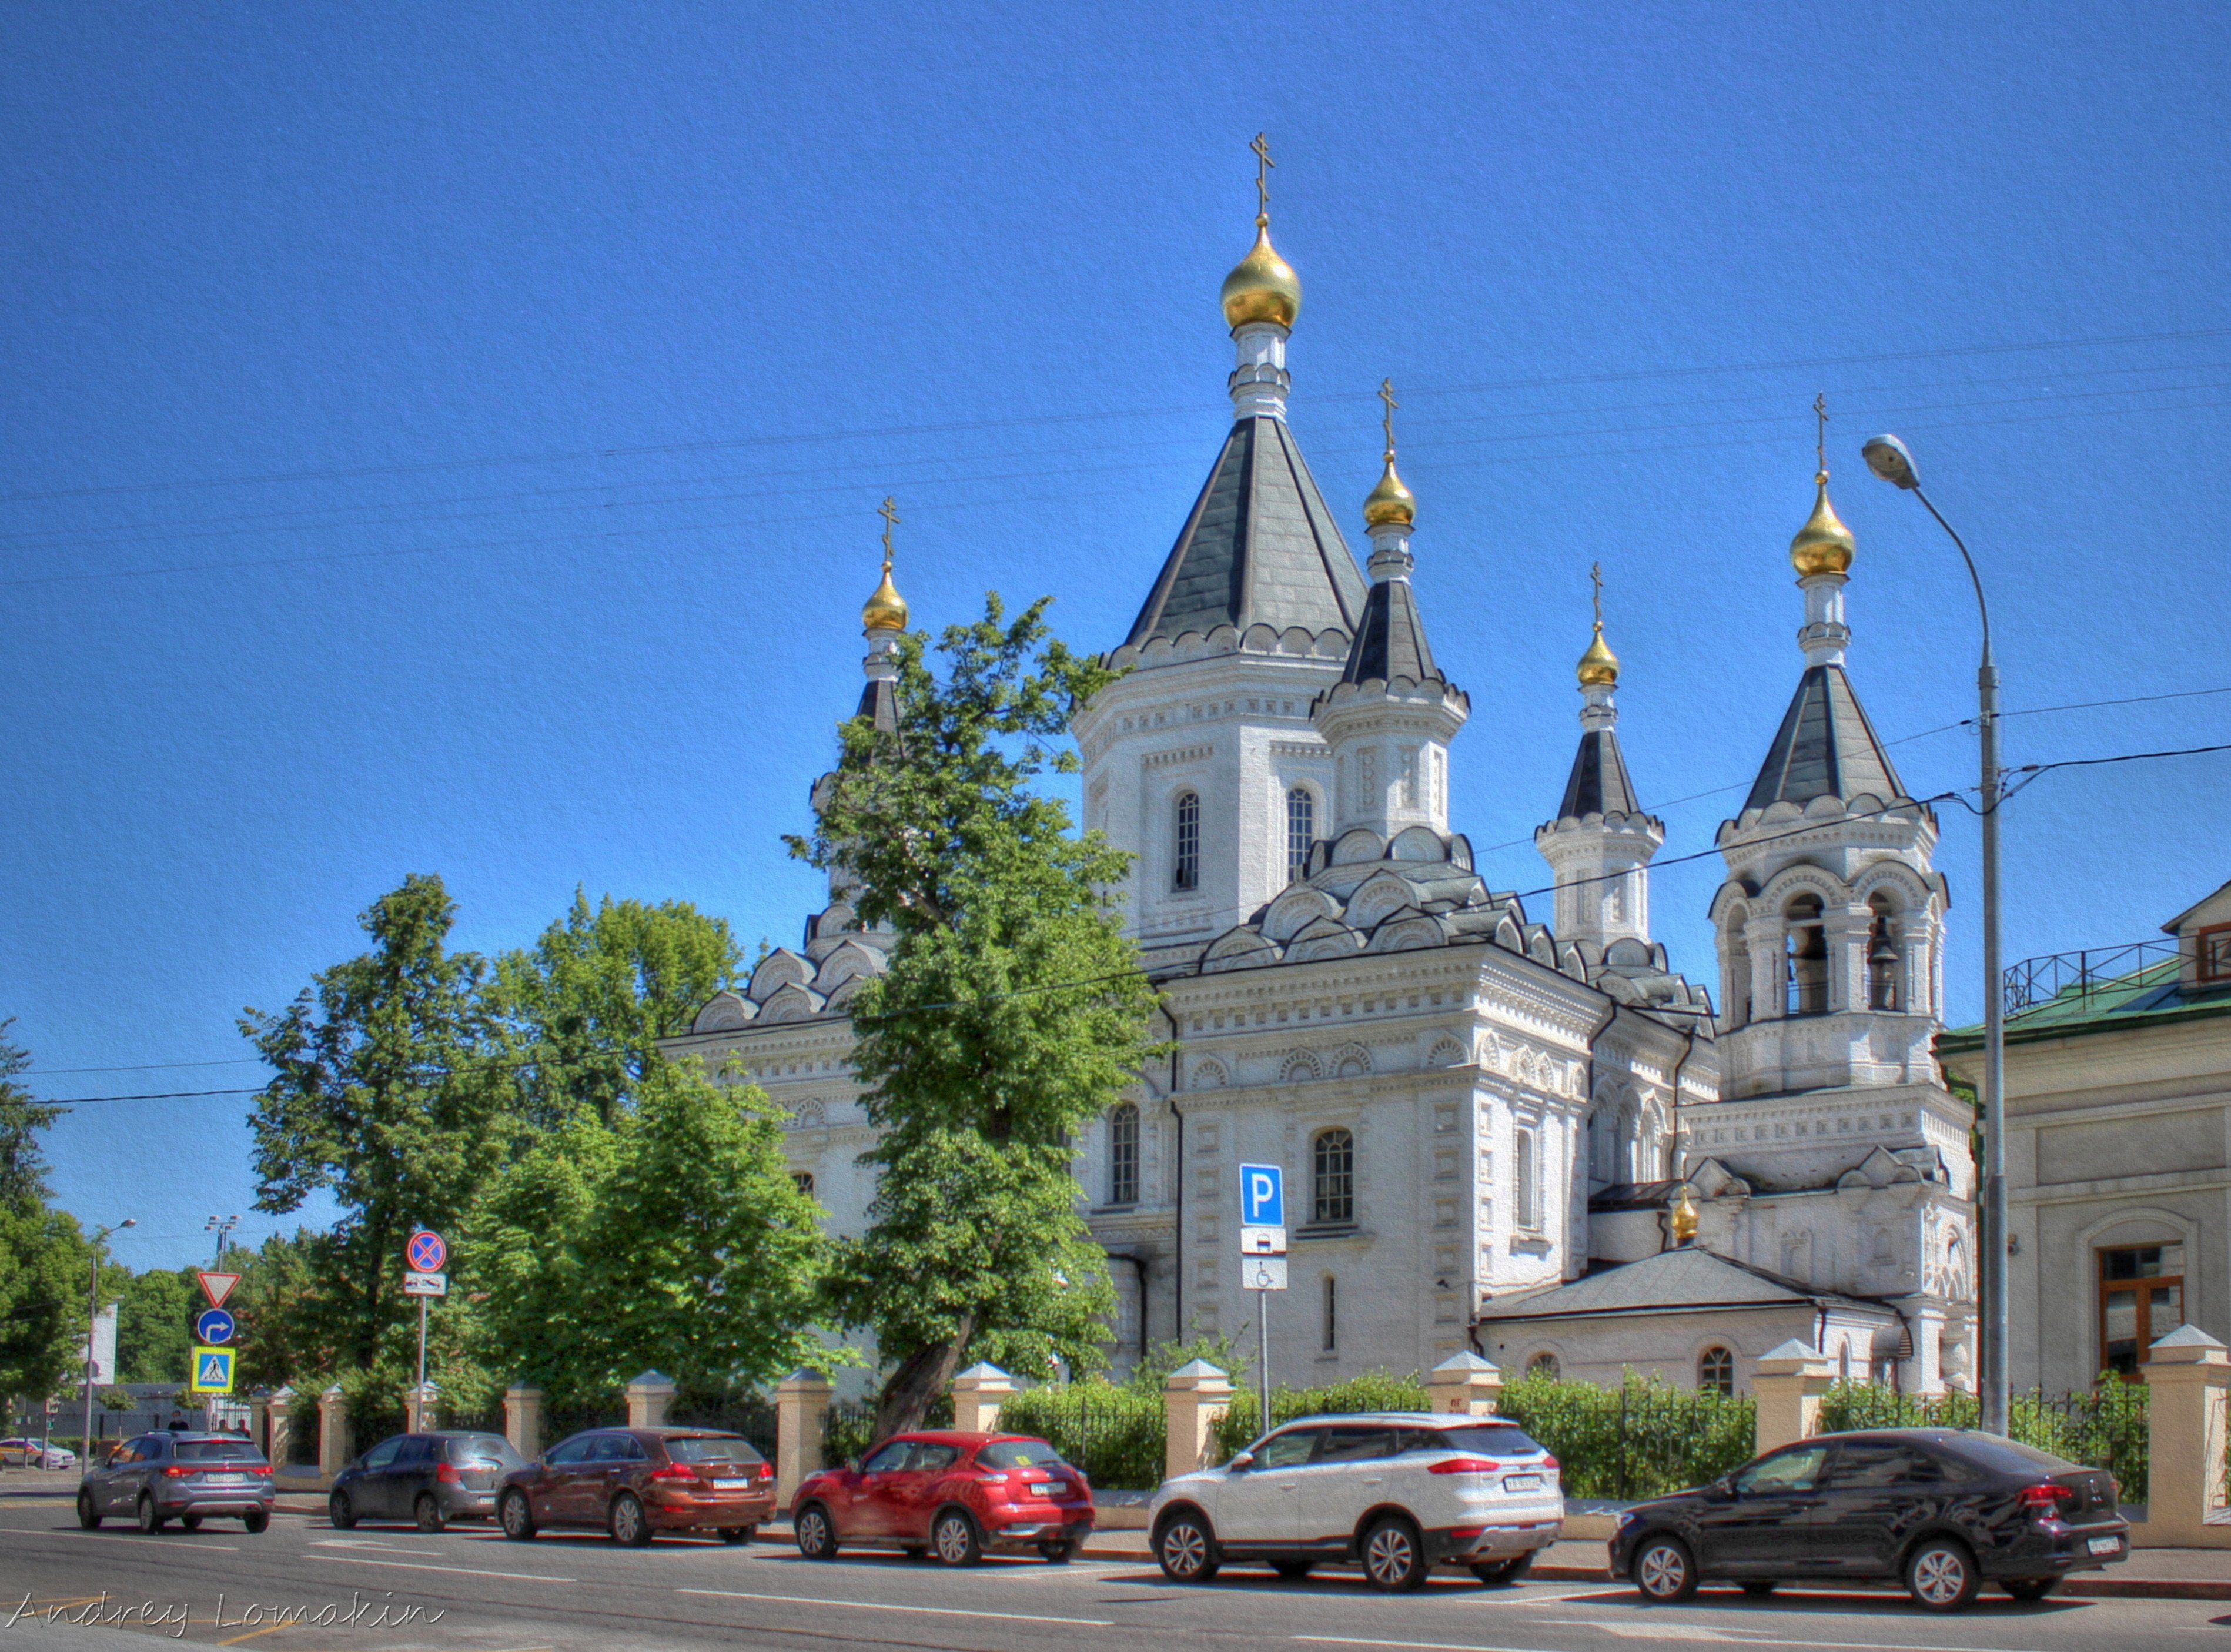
(2104, 1428)
(1642, 1438)
(1114, 1434)
(1372, 1391)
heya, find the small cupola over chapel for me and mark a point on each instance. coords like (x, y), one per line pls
(1599, 846)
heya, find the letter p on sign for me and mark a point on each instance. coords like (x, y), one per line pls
(1262, 1196)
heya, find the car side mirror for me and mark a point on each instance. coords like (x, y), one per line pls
(1244, 1462)
(852, 1465)
(1725, 1486)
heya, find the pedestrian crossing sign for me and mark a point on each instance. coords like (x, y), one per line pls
(212, 1371)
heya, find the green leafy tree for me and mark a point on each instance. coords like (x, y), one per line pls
(275, 1308)
(154, 1324)
(22, 1166)
(45, 1265)
(392, 1089)
(593, 996)
(1013, 1011)
(672, 1237)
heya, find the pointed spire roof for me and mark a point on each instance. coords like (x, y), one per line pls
(1260, 548)
(880, 699)
(1824, 748)
(1390, 641)
(1599, 782)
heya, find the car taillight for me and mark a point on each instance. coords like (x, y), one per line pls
(675, 1471)
(448, 1474)
(1549, 1461)
(766, 1471)
(262, 1468)
(2048, 1499)
(1465, 1466)
(176, 1471)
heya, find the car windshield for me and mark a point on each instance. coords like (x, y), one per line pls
(1490, 1441)
(484, 1449)
(715, 1448)
(217, 1451)
(1020, 1454)
(2011, 1456)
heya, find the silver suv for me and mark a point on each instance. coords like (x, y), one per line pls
(1399, 1491)
(157, 1478)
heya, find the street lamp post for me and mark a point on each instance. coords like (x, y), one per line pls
(220, 1225)
(1888, 458)
(92, 1314)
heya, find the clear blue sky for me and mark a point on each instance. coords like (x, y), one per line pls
(447, 439)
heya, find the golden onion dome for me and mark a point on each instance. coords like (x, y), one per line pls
(887, 609)
(1390, 502)
(1824, 544)
(1599, 666)
(1261, 286)
(1686, 1218)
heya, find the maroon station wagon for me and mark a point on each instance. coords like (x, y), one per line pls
(951, 1494)
(637, 1482)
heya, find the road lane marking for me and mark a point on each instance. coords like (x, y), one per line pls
(884, 1606)
(184, 1542)
(420, 1565)
(383, 1548)
(1744, 1635)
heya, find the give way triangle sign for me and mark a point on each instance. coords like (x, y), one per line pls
(217, 1286)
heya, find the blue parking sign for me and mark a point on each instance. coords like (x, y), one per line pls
(1262, 1196)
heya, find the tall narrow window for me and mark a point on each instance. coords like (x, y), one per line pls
(1716, 1371)
(1331, 1314)
(1885, 961)
(1124, 1155)
(1186, 860)
(1807, 970)
(1332, 1176)
(1525, 1196)
(2141, 1301)
(1300, 832)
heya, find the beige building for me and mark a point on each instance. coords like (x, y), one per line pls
(2118, 1148)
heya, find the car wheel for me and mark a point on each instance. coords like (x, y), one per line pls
(631, 1527)
(1393, 1556)
(1185, 1549)
(954, 1535)
(2031, 1588)
(340, 1512)
(88, 1513)
(1940, 1575)
(1505, 1572)
(1760, 1589)
(256, 1519)
(152, 1520)
(1057, 1554)
(1663, 1571)
(739, 1533)
(1292, 1570)
(817, 1537)
(428, 1512)
(517, 1519)
(191, 1522)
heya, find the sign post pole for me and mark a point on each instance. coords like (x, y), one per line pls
(1263, 1259)
(1263, 1352)
(424, 1254)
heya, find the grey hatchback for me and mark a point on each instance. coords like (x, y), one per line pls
(173, 1475)
(432, 1478)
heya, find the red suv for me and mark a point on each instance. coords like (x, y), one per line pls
(634, 1482)
(954, 1495)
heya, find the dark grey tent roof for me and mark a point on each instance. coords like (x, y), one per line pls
(1689, 1277)
(1390, 639)
(1598, 784)
(1824, 748)
(1259, 548)
(880, 699)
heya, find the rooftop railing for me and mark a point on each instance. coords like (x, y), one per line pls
(2082, 977)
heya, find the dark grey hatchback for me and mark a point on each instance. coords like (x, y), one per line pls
(1943, 1511)
(429, 1479)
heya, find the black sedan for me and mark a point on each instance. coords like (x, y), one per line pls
(1941, 1510)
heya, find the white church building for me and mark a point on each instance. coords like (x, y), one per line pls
(1535, 1140)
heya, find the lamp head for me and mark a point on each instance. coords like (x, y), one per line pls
(129, 1221)
(1888, 458)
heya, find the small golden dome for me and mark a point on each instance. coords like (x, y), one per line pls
(1390, 502)
(1261, 286)
(1824, 544)
(887, 609)
(1599, 666)
(1685, 1217)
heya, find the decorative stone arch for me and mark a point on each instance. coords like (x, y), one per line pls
(1207, 1074)
(811, 1114)
(1380, 895)
(781, 968)
(1350, 1061)
(1446, 1052)
(725, 1012)
(791, 1003)
(1300, 1066)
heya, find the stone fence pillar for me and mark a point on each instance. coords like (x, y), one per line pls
(279, 1427)
(259, 1422)
(2188, 1392)
(647, 1397)
(1465, 1385)
(1195, 1396)
(1788, 1385)
(522, 1419)
(332, 1432)
(977, 1395)
(801, 1416)
(420, 1408)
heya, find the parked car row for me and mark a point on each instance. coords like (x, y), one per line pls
(20, 1453)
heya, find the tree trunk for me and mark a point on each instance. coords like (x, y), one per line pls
(921, 1376)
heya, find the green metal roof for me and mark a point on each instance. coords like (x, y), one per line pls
(2144, 996)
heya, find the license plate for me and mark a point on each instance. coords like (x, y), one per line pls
(1522, 1482)
(1047, 1488)
(2105, 1545)
(224, 1479)
(731, 1485)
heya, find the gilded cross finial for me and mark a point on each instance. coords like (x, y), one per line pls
(1820, 437)
(1595, 579)
(1387, 424)
(890, 512)
(1263, 165)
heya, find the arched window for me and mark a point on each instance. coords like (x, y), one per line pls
(1735, 980)
(1808, 955)
(1331, 1314)
(1543, 1365)
(1300, 832)
(804, 1181)
(1716, 1371)
(1124, 1155)
(1185, 860)
(1885, 959)
(1332, 1176)
(1525, 1200)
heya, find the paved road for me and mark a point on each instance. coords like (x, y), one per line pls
(468, 1591)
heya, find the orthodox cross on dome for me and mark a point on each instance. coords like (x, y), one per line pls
(1263, 165)
(890, 512)
(1595, 579)
(1386, 423)
(1820, 435)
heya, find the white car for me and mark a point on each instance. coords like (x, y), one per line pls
(1399, 1491)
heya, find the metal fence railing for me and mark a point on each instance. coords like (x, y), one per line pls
(1639, 1440)
(751, 1415)
(2081, 977)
